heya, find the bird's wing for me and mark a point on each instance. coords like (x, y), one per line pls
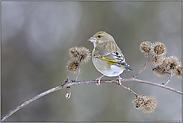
(111, 53)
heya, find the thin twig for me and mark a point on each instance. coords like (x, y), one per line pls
(66, 81)
(67, 84)
(171, 75)
(143, 68)
(78, 71)
(129, 90)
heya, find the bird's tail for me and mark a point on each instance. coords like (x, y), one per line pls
(129, 69)
(126, 66)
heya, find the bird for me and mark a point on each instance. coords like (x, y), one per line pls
(107, 57)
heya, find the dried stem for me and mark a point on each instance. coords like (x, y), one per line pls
(171, 75)
(143, 68)
(67, 84)
(78, 71)
(129, 90)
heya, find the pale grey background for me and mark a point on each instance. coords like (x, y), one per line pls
(36, 37)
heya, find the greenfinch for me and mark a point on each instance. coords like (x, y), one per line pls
(107, 56)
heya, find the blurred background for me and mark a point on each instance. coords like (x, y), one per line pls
(36, 37)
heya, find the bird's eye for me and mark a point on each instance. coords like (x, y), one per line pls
(99, 36)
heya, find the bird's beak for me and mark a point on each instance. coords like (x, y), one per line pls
(92, 39)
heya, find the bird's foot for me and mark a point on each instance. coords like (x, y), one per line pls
(119, 80)
(98, 83)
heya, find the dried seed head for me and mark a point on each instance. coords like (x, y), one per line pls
(68, 93)
(158, 60)
(178, 70)
(81, 54)
(160, 70)
(145, 47)
(172, 62)
(163, 68)
(145, 103)
(138, 102)
(73, 65)
(73, 52)
(168, 65)
(158, 48)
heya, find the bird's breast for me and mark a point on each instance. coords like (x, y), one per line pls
(108, 70)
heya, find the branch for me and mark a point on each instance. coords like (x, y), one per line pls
(32, 99)
(67, 84)
(155, 84)
(29, 101)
